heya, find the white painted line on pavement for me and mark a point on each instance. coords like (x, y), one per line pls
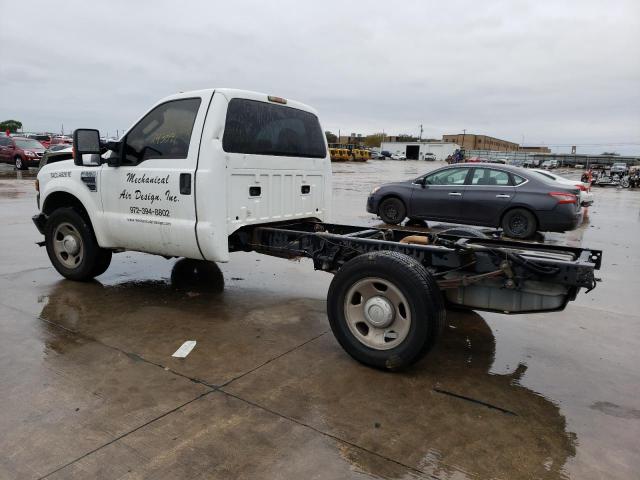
(185, 349)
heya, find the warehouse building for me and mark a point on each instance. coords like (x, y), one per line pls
(471, 141)
(536, 149)
(421, 150)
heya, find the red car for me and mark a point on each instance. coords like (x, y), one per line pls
(43, 138)
(61, 139)
(21, 151)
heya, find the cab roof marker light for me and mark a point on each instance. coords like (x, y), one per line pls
(275, 99)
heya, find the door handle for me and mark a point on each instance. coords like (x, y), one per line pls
(455, 194)
(185, 183)
(502, 195)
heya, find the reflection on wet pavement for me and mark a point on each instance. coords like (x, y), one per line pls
(447, 416)
(90, 389)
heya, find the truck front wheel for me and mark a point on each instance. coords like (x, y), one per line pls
(72, 246)
(385, 309)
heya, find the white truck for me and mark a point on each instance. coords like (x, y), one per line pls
(209, 172)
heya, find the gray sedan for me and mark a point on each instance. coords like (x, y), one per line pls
(519, 201)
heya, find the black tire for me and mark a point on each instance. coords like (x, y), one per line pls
(425, 306)
(624, 183)
(464, 232)
(392, 211)
(102, 262)
(93, 258)
(416, 222)
(519, 223)
(199, 275)
(19, 163)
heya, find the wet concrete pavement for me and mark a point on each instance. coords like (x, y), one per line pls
(90, 390)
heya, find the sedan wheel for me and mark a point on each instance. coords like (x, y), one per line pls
(519, 223)
(392, 211)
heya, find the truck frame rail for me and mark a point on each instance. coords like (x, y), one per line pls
(472, 271)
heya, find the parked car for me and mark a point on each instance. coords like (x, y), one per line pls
(549, 164)
(61, 139)
(43, 138)
(59, 146)
(22, 152)
(375, 155)
(619, 168)
(398, 156)
(385, 154)
(519, 201)
(58, 155)
(430, 157)
(586, 195)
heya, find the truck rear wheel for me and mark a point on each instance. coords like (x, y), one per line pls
(72, 246)
(464, 232)
(385, 309)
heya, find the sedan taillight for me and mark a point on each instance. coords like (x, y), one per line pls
(581, 187)
(563, 197)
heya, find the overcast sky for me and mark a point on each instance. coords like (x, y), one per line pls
(553, 72)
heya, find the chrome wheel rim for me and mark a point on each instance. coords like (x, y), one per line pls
(68, 245)
(377, 313)
(18, 163)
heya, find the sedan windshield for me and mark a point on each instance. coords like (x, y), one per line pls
(28, 143)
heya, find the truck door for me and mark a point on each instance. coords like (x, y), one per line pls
(148, 200)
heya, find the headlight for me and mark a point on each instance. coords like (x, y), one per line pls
(29, 154)
(374, 190)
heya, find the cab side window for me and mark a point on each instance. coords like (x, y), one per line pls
(165, 132)
(4, 141)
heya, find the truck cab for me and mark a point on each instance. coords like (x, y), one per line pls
(191, 171)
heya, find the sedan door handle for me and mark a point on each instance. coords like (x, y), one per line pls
(502, 195)
(455, 194)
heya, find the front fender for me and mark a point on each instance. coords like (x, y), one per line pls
(68, 181)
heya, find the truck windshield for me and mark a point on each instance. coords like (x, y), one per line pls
(261, 128)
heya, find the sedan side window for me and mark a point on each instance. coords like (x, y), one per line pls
(165, 132)
(450, 176)
(489, 176)
(517, 179)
